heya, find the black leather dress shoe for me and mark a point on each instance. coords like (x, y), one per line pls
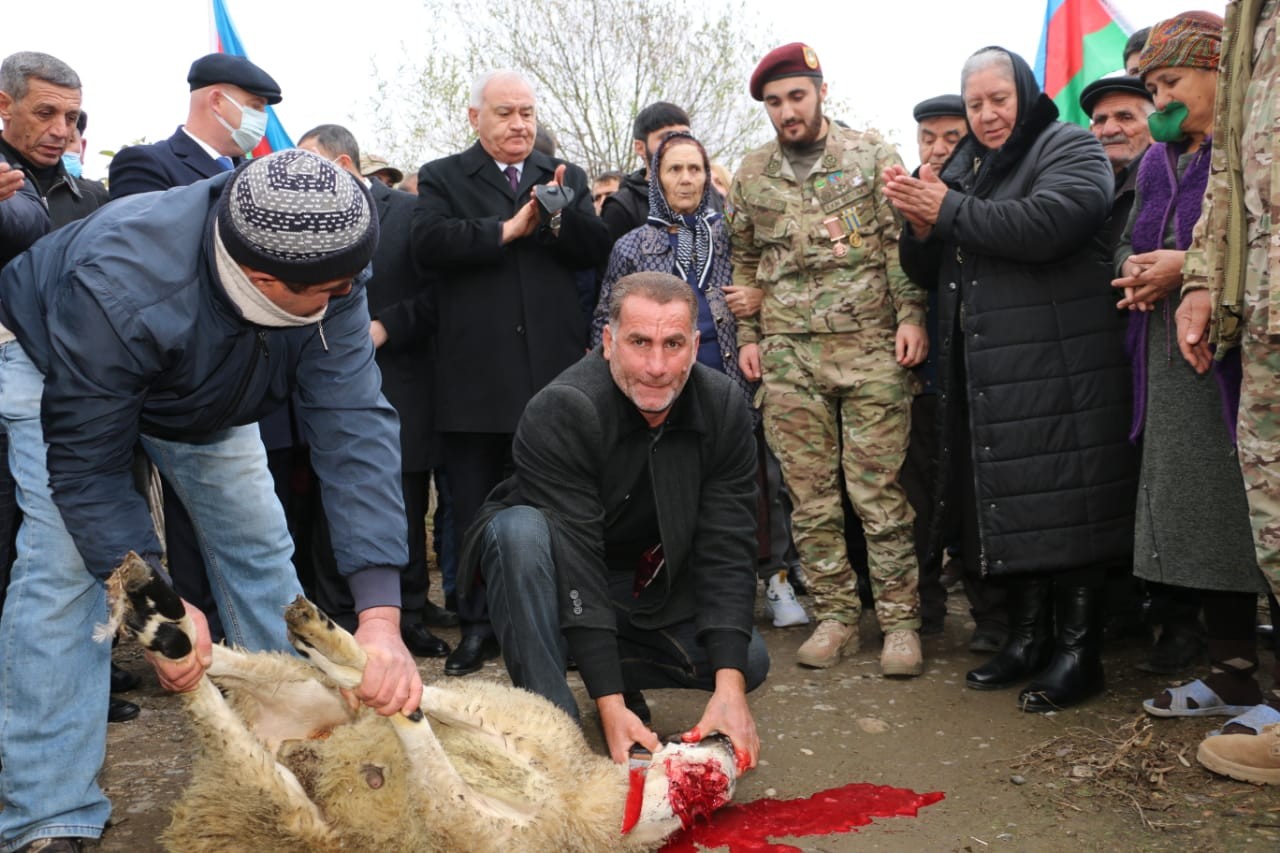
(419, 640)
(122, 680)
(438, 617)
(471, 654)
(121, 710)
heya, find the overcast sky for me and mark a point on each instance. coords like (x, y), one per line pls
(880, 56)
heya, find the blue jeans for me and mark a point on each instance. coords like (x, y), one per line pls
(520, 583)
(54, 679)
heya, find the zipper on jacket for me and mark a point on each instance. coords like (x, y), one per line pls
(973, 451)
(324, 343)
(259, 344)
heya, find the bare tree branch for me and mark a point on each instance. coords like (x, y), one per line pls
(595, 63)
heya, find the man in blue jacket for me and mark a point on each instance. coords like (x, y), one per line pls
(178, 319)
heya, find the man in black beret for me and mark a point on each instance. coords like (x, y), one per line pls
(226, 120)
(1118, 108)
(940, 125)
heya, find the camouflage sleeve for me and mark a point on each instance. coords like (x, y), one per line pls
(744, 254)
(1201, 255)
(908, 298)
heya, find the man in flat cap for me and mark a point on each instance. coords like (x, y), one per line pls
(940, 125)
(1118, 108)
(225, 120)
(839, 325)
(175, 320)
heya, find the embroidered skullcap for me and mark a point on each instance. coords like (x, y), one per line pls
(1189, 40)
(791, 60)
(297, 217)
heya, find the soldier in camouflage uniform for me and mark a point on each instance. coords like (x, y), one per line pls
(1227, 272)
(837, 328)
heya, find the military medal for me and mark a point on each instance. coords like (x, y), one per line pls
(835, 231)
(849, 218)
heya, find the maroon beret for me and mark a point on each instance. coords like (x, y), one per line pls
(791, 60)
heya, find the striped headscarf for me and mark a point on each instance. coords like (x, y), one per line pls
(693, 245)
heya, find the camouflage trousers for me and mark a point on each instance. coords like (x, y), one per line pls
(835, 401)
(1258, 424)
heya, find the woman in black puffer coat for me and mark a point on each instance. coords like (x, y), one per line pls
(1036, 403)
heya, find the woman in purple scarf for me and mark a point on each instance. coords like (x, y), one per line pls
(1192, 521)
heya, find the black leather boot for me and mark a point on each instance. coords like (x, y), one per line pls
(1029, 644)
(1075, 673)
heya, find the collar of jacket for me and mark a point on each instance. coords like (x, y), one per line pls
(957, 174)
(1127, 179)
(57, 171)
(476, 158)
(685, 413)
(829, 160)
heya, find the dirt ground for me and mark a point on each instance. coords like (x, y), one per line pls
(1093, 778)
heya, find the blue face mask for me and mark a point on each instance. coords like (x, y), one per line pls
(253, 124)
(71, 162)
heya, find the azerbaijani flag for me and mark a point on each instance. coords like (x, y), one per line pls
(229, 42)
(1082, 41)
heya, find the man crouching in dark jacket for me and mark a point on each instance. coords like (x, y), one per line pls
(178, 319)
(626, 535)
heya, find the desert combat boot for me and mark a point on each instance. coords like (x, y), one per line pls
(828, 642)
(901, 654)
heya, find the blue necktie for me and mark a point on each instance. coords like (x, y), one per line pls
(513, 177)
(225, 163)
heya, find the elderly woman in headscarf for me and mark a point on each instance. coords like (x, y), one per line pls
(685, 236)
(1035, 403)
(1193, 527)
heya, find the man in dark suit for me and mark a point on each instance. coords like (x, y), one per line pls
(400, 308)
(507, 300)
(225, 120)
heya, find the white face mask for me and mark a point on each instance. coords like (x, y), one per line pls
(253, 124)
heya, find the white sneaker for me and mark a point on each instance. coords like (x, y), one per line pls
(780, 603)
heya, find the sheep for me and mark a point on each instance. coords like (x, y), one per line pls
(286, 764)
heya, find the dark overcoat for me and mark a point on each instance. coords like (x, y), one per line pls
(173, 162)
(400, 297)
(509, 317)
(1019, 255)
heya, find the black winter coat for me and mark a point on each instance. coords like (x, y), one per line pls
(509, 317)
(1019, 255)
(580, 447)
(401, 298)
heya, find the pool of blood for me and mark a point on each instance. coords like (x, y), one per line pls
(747, 828)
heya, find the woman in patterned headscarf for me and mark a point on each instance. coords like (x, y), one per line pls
(685, 236)
(1195, 540)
